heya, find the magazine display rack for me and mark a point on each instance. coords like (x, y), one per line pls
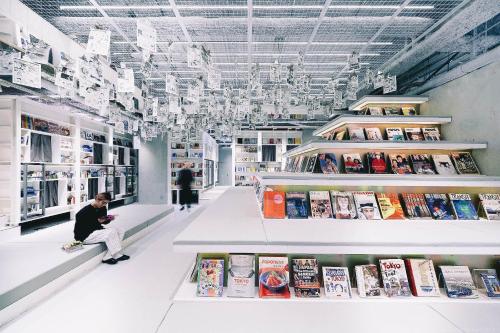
(241, 228)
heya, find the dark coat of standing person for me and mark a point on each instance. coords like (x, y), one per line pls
(184, 180)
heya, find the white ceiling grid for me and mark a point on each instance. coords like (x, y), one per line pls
(327, 30)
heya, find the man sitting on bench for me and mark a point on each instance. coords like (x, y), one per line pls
(89, 229)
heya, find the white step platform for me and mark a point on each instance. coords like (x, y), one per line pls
(29, 262)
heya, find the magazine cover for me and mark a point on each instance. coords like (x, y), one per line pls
(489, 205)
(439, 206)
(367, 280)
(356, 134)
(305, 278)
(463, 207)
(458, 282)
(373, 133)
(465, 163)
(296, 205)
(353, 163)
(211, 277)
(273, 277)
(423, 279)
(394, 277)
(392, 111)
(336, 282)
(340, 135)
(422, 164)
(366, 205)
(443, 165)
(241, 275)
(394, 134)
(431, 134)
(390, 207)
(375, 111)
(296, 163)
(328, 163)
(476, 276)
(408, 111)
(321, 207)
(414, 134)
(304, 164)
(400, 164)
(376, 162)
(490, 281)
(343, 205)
(274, 205)
(311, 163)
(416, 206)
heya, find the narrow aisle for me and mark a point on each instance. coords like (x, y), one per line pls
(132, 296)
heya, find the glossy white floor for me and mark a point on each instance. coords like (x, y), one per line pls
(132, 296)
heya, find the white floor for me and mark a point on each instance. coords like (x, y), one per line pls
(132, 296)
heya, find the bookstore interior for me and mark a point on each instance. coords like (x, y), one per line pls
(338, 159)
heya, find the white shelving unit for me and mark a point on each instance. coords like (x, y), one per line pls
(367, 101)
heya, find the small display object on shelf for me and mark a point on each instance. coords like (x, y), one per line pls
(458, 282)
(390, 206)
(336, 282)
(274, 277)
(274, 204)
(305, 277)
(366, 205)
(414, 134)
(353, 163)
(241, 275)
(376, 162)
(489, 205)
(463, 207)
(394, 277)
(465, 163)
(416, 206)
(443, 165)
(439, 206)
(321, 206)
(423, 279)
(395, 134)
(367, 279)
(343, 205)
(431, 134)
(491, 284)
(328, 163)
(210, 277)
(296, 205)
(400, 164)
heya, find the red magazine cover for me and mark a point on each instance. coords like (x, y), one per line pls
(274, 205)
(274, 277)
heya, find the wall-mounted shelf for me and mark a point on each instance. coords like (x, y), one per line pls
(386, 100)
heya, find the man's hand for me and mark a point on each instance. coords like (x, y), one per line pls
(103, 220)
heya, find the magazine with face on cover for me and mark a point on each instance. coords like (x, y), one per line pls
(376, 162)
(353, 163)
(431, 134)
(414, 134)
(439, 206)
(328, 163)
(343, 205)
(395, 134)
(366, 205)
(400, 164)
(390, 206)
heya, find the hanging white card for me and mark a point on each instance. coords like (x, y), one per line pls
(194, 57)
(27, 73)
(99, 41)
(146, 36)
(65, 79)
(135, 125)
(97, 98)
(214, 79)
(174, 104)
(337, 99)
(125, 82)
(171, 84)
(150, 108)
(390, 84)
(379, 80)
(275, 72)
(353, 61)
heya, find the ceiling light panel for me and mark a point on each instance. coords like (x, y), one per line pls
(281, 30)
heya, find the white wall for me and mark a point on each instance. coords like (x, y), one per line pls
(474, 103)
(154, 172)
(225, 166)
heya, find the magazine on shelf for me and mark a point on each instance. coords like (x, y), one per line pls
(392, 111)
(304, 164)
(274, 277)
(394, 277)
(439, 206)
(490, 281)
(395, 134)
(416, 206)
(423, 279)
(241, 275)
(414, 134)
(431, 134)
(356, 134)
(489, 205)
(211, 277)
(476, 276)
(297, 163)
(375, 111)
(311, 163)
(367, 280)
(400, 164)
(366, 205)
(443, 165)
(305, 278)
(463, 207)
(390, 206)
(296, 205)
(374, 134)
(274, 205)
(336, 282)
(353, 163)
(340, 135)
(465, 163)
(343, 205)
(458, 282)
(376, 162)
(321, 207)
(422, 164)
(408, 111)
(328, 163)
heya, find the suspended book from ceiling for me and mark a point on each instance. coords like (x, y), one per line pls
(7, 61)
(150, 109)
(275, 72)
(290, 77)
(353, 62)
(146, 35)
(213, 80)
(98, 98)
(125, 82)
(27, 73)
(120, 127)
(99, 41)
(193, 93)
(379, 80)
(390, 84)
(40, 52)
(369, 77)
(135, 125)
(194, 57)
(171, 86)
(65, 79)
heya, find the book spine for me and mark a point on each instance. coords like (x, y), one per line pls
(413, 286)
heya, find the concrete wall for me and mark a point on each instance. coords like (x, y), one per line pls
(474, 103)
(154, 170)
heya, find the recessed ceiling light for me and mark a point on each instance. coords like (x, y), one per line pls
(243, 7)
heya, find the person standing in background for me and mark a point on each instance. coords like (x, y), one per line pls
(184, 180)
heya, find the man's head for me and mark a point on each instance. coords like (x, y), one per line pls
(102, 199)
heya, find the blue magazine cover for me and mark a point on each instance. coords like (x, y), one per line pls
(491, 283)
(296, 205)
(439, 205)
(463, 206)
(328, 163)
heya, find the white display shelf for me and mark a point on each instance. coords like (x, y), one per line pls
(387, 100)
(379, 180)
(239, 227)
(48, 133)
(344, 120)
(384, 145)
